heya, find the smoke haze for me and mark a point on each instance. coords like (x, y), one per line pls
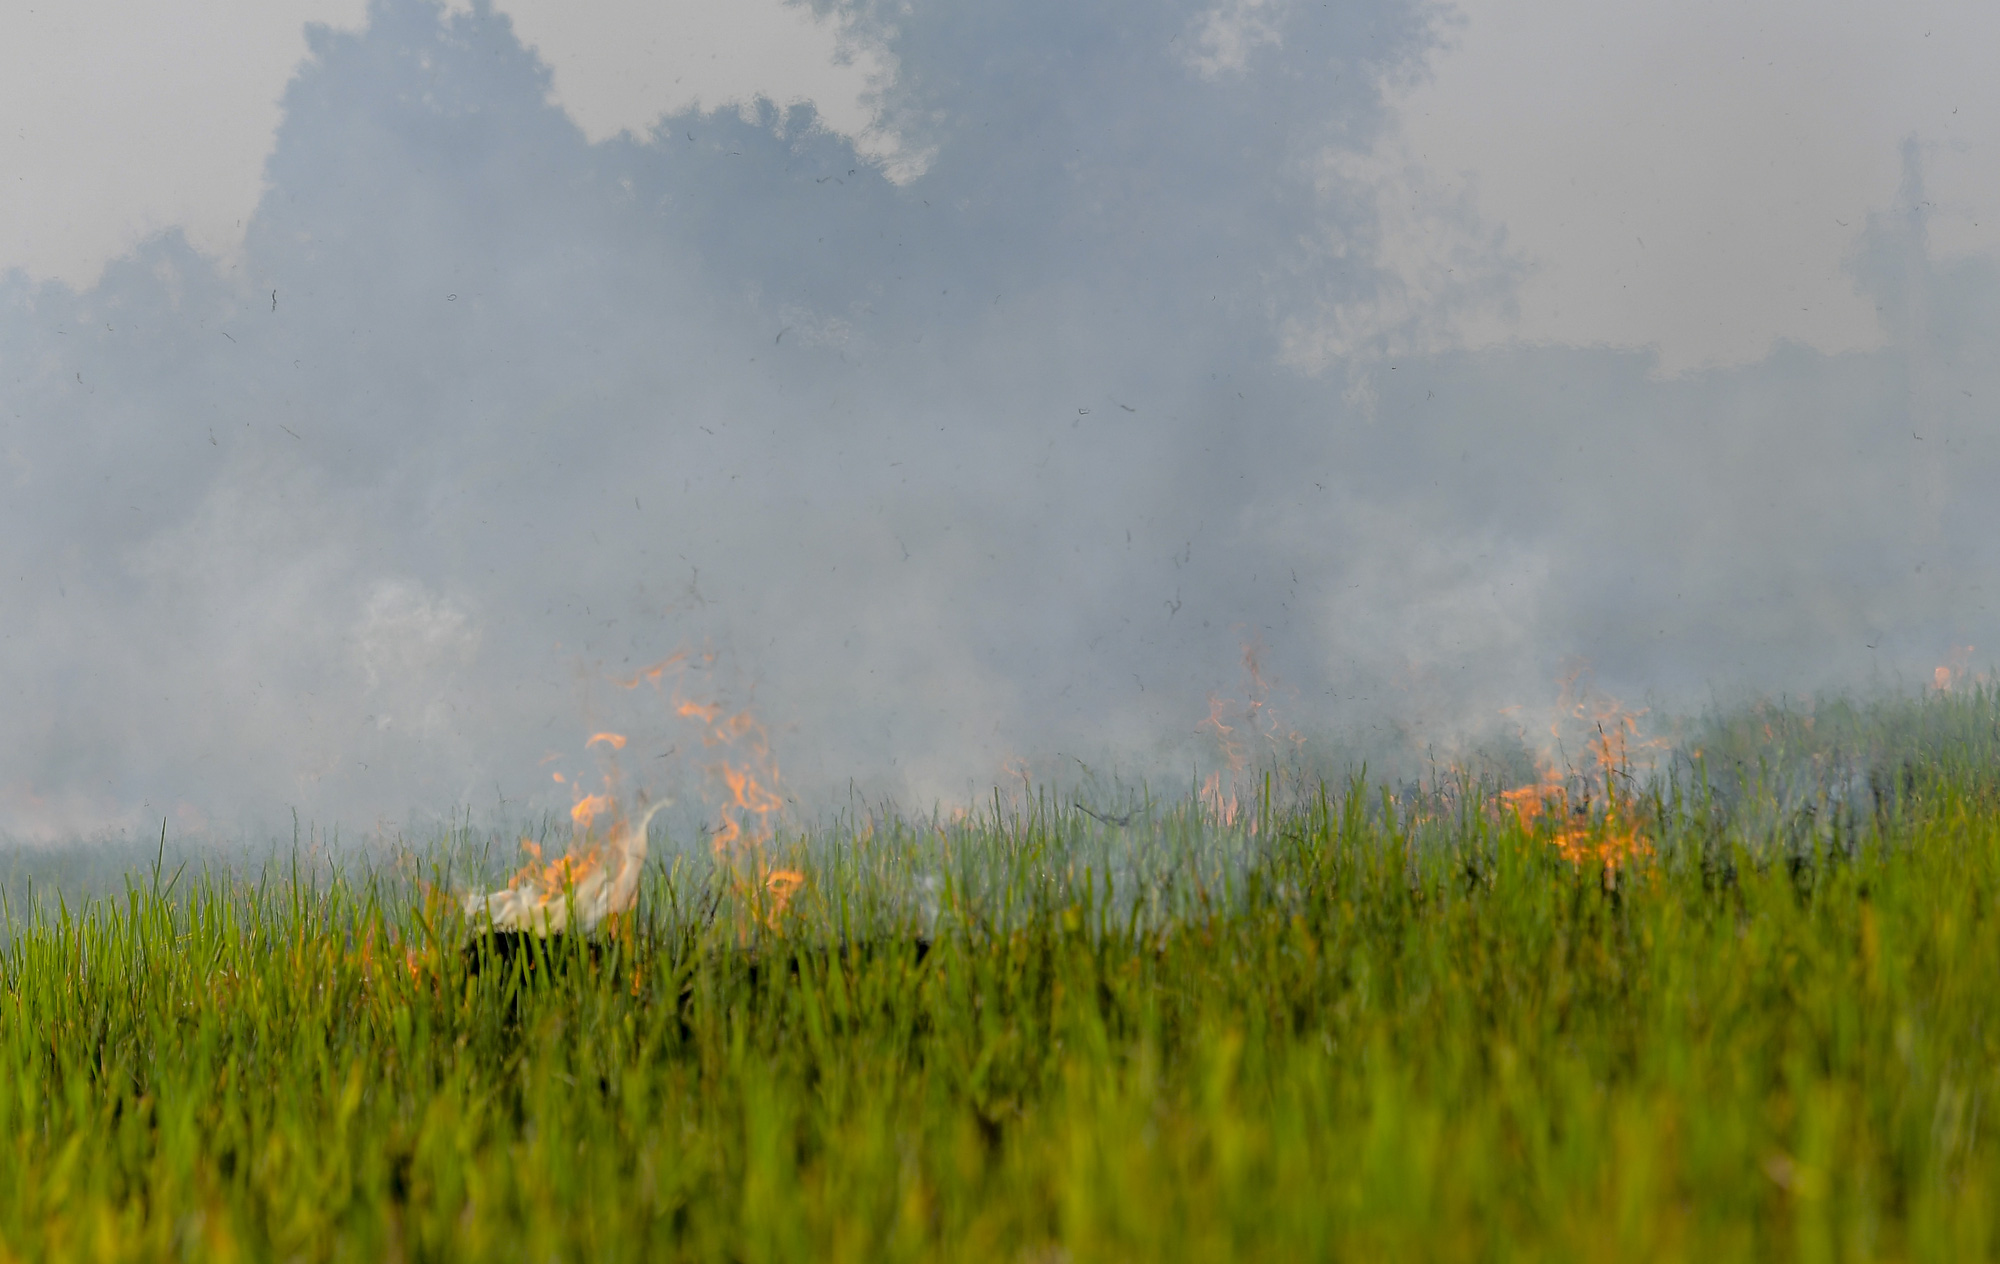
(993, 434)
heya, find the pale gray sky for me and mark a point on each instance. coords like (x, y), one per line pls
(1693, 174)
(1686, 175)
(127, 117)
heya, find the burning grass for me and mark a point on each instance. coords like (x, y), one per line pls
(597, 877)
(1326, 1024)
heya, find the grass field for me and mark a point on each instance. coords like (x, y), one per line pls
(1355, 1023)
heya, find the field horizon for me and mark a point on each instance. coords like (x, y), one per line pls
(1741, 1009)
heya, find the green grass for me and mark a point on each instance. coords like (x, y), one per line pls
(1361, 1025)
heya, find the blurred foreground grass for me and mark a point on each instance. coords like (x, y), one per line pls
(1351, 1024)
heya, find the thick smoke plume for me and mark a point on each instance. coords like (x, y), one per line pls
(1001, 448)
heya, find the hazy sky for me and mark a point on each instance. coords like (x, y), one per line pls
(385, 381)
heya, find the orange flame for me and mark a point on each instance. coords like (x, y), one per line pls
(1583, 836)
(652, 674)
(1954, 672)
(1225, 733)
(782, 884)
(599, 881)
(749, 777)
(597, 878)
(705, 712)
(1222, 804)
(589, 808)
(1235, 726)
